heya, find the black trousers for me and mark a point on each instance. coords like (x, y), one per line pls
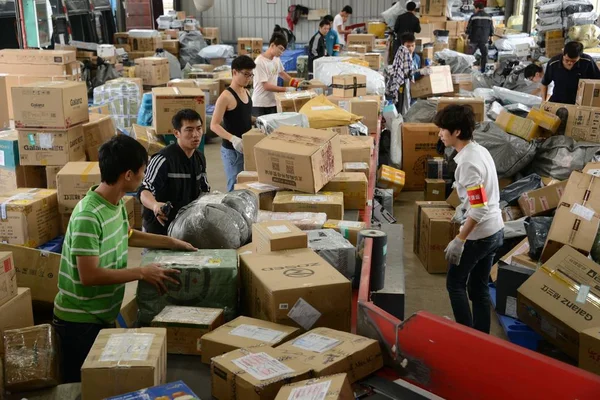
(260, 111)
(483, 48)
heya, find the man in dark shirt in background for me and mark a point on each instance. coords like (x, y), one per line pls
(480, 31)
(316, 46)
(406, 23)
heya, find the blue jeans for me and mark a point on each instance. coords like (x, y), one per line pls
(473, 272)
(233, 162)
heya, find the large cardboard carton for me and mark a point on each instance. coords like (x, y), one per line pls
(542, 201)
(349, 85)
(51, 172)
(249, 46)
(438, 82)
(558, 301)
(545, 120)
(588, 93)
(334, 387)
(186, 326)
(476, 103)
(368, 108)
(419, 205)
(271, 236)
(71, 71)
(589, 350)
(36, 270)
(154, 71)
(124, 360)
(578, 122)
(244, 332)
(31, 217)
(330, 352)
(22, 176)
(361, 39)
(34, 56)
(293, 101)
(515, 125)
(419, 143)
(8, 277)
(435, 190)
(434, 8)
(144, 43)
(264, 193)
(362, 167)
(391, 178)
(300, 159)
(247, 177)
(356, 149)
(353, 185)
(288, 287)
(148, 138)
(53, 105)
(374, 60)
(330, 203)
(73, 181)
(348, 229)
(97, 131)
(437, 230)
(249, 140)
(15, 313)
(51, 147)
(168, 101)
(255, 374)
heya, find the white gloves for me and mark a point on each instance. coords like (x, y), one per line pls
(237, 144)
(454, 251)
(425, 71)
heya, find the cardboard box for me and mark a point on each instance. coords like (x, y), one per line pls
(171, 45)
(512, 213)
(130, 359)
(462, 81)
(127, 317)
(244, 332)
(330, 352)
(391, 178)
(247, 177)
(354, 187)
(435, 190)
(588, 93)
(340, 130)
(148, 138)
(356, 149)
(419, 143)
(369, 110)
(515, 125)
(277, 235)
(330, 203)
(135, 55)
(334, 387)
(211, 88)
(589, 350)
(70, 71)
(362, 39)
(255, 374)
(37, 345)
(22, 177)
(293, 101)
(263, 192)
(434, 8)
(8, 278)
(301, 159)
(576, 220)
(16, 313)
(53, 105)
(154, 71)
(436, 232)
(173, 390)
(356, 48)
(542, 201)
(33, 56)
(144, 43)
(249, 46)
(288, 287)
(51, 147)
(552, 303)
(476, 103)
(250, 139)
(581, 122)
(31, 217)
(374, 60)
(168, 101)
(522, 249)
(73, 182)
(438, 82)
(51, 172)
(362, 167)
(96, 132)
(186, 326)
(349, 85)
(348, 229)
(545, 120)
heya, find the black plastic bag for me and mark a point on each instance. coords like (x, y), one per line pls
(510, 194)
(106, 72)
(537, 232)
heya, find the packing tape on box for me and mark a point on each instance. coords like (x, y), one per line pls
(29, 195)
(86, 172)
(582, 291)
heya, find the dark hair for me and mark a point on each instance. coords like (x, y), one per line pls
(573, 49)
(347, 9)
(328, 18)
(407, 37)
(456, 117)
(411, 6)
(119, 155)
(480, 5)
(324, 22)
(278, 39)
(532, 69)
(186, 114)
(242, 62)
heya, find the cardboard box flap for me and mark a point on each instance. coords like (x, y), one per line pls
(305, 142)
(250, 332)
(21, 198)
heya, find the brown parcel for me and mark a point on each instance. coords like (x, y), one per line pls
(97, 131)
(435, 190)
(348, 229)
(437, 230)
(31, 358)
(330, 203)
(249, 46)
(553, 303)
(265, 193)
(476, 103)
(31, 217)
(23, 176)
(356, 149)
(588, 93)
(368, 109)
(154, 71)
(271, 236)
(548, 121)
(515, 125)
(293, 101)
(51, 171)
(144, 43)
(543, 200)
(34, 56)
(36, 270)
(512, 213)
(338, 388)
(249, 140)
(247, 177)
(186, 326)
(419, 143)
(353, 185)
(113, 365)
(51, 147)
(278, 285)
(8, 277)
(362, 167)
(168, 101)
(419, 205)
(434, 8)
(362, 39)
(244, 332)
(582, 122)
(73, 182)
(589, 350)
(438, 82)
(300, 159)
(16, 313)
(349, 85)
(256, 373)
(54, 105)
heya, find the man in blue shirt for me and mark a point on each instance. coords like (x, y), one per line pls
(332, 40)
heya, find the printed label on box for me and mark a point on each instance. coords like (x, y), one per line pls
(316, 343)
(279, 229)
(511, 307)
(304, 314)
(310, 199)
(350, 224)
(262, 366)
(583, 212)
(317, 391)
(258, 333)
(127, 347)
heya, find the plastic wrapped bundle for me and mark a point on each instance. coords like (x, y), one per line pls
(422, 111)
(242, 201)
(391, 14)
(303, 220)
(217, 51)
(325, 68)
(509, 196)
(174, 67)
(335, 249)
(577, 6)
(585, 34)
(459, 63)
(584, 18)
(507, 96)
(208, 278)
(269, 123)
(190, 44)
(123, 97)
(537, 231)
(558, 156)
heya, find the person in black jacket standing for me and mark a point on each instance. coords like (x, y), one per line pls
(406, 23)
(480, 31)
(317, 47)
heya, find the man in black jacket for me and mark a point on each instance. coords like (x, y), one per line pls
(406, 23)
(316, 46)
(480, 31)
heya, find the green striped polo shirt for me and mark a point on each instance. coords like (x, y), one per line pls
(96, 228)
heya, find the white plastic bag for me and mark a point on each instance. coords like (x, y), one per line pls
(217, 51)
(395, 128)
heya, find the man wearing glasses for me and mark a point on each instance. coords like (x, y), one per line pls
(268, 69)
(234, 110)
(176, 174)
(565, 70)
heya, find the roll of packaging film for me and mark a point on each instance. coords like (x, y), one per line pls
(378, 257)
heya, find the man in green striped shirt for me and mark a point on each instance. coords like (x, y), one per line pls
(93, 268)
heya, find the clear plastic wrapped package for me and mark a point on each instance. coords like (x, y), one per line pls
(507, 96)
(422, 111)
(325, 68)
(268, 123)
(559, 155)
(511, 193)
(335, 249)
(190, 44)
(304, 220)
(459, 63)
(123, 98)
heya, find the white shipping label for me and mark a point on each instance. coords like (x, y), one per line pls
(258, 333)
(595, 172)
(583, 212)
(582, 295)
(350, 224)
(317, 391)
(511, 307)
(323, 108)
(127, 347)
(279, 229)
(261, 186)
(310, 199)
(435, 191)
(315, 342)
(2, 162)
(262, 366)
(304, 314)
(46, 140)
(356, 165)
